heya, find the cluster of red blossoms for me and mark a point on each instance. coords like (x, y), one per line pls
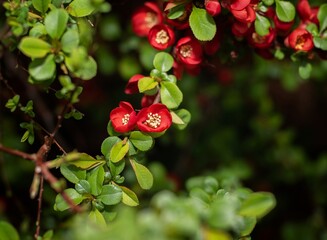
(155, 118)
(151, 20)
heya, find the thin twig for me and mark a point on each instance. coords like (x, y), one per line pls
(15, 152)
(38, 220)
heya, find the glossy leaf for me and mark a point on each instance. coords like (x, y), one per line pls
(146, 83)
(257, 204)
(41, 5)
(181, 117)
(320, 42)
(62, 205)
(42, 69)
(82, 160)
(80, 8)
(70, 40)
(322, 17)
(116, 168)
(72, 173)
(110, 195)
(143, 175)
(107, 144)
(163, 61)
(202, 24)
(34, 47)
(129, 197)
(8, 232)
(56, 22)
(96, 178)
(285, 11)
(262, 25)
(118, 151)
(141, 141)
(176, 11)
(83, 187)
(97, 218)
(248, 225)
(170, 94)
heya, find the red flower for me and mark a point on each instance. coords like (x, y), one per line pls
(161, 37)
(282, 26)
(300, 40)
(123, 118)
(245, 15)
(155, 118)
(235, 4)
(258, 41)
(145, 17)
(132, 86)
(147, 100)
(213, 7)
(188, 51)
(306, 13)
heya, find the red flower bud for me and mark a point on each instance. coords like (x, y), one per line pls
(147, 100)
(132, 86)
(155, 118)
(235, 4)
(245, 15)
(123, 118)
(213, 7)
(145, 17)
(161, 37)
(300, 40)
(258, 41)
(188, 51)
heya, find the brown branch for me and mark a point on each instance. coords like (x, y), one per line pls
(15, 152)
(38, 220)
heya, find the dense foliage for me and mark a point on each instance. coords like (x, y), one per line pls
(163, 120)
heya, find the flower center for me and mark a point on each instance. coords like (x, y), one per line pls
(257, 38)
(300, 42)
(125, 119)
(162, 37)
(186, 51)
(150, 19)
(153, 120)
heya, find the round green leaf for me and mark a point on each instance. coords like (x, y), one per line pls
(34, 47)
(97, 218)
(202, 24)
(146, 83)
(107, 144)
(83, 187)
(305, 70)
(257, 204)
(72, 173)
(110, 195)
(322, 17)
(95, 180)
(163, 61)
(285, 11)
(181, 117)
(42, 69)
(118, 151)
(141, 141)
(38, 30)
(143, 175)
(320, 42)
(56, 22)
(60, 202)
(70, 40)
(129, 197)
(170, 94)
(7, 231)
(80, 8)
(261, 25)
(41, 5)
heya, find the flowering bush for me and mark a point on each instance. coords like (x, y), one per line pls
(57, 54)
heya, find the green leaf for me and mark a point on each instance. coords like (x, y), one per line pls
(96, 178)
(41, 5)
(143, 175)
(97, 218)
(181, 117)
(72, 173)
(320, 42)
(118, 151)
(200, 194)
(163, 61)
(83, 187)
(38, 30)
(202, 24)
(141, 141)
(82, 160)
(70, 40)
(146, 83)
(80, 8)
(12, 103)
(110, 195)
(42, 69)
(8, 232)
(285, 11)
(129, 197)
(34, 47)
(261, 25)
(56, 22)
(60, 202)
(248, 225)
(176, 12)
(170, 94)
(257, 204)
(305, 70)
(268, 2)
(322, 17)
(107, 144)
